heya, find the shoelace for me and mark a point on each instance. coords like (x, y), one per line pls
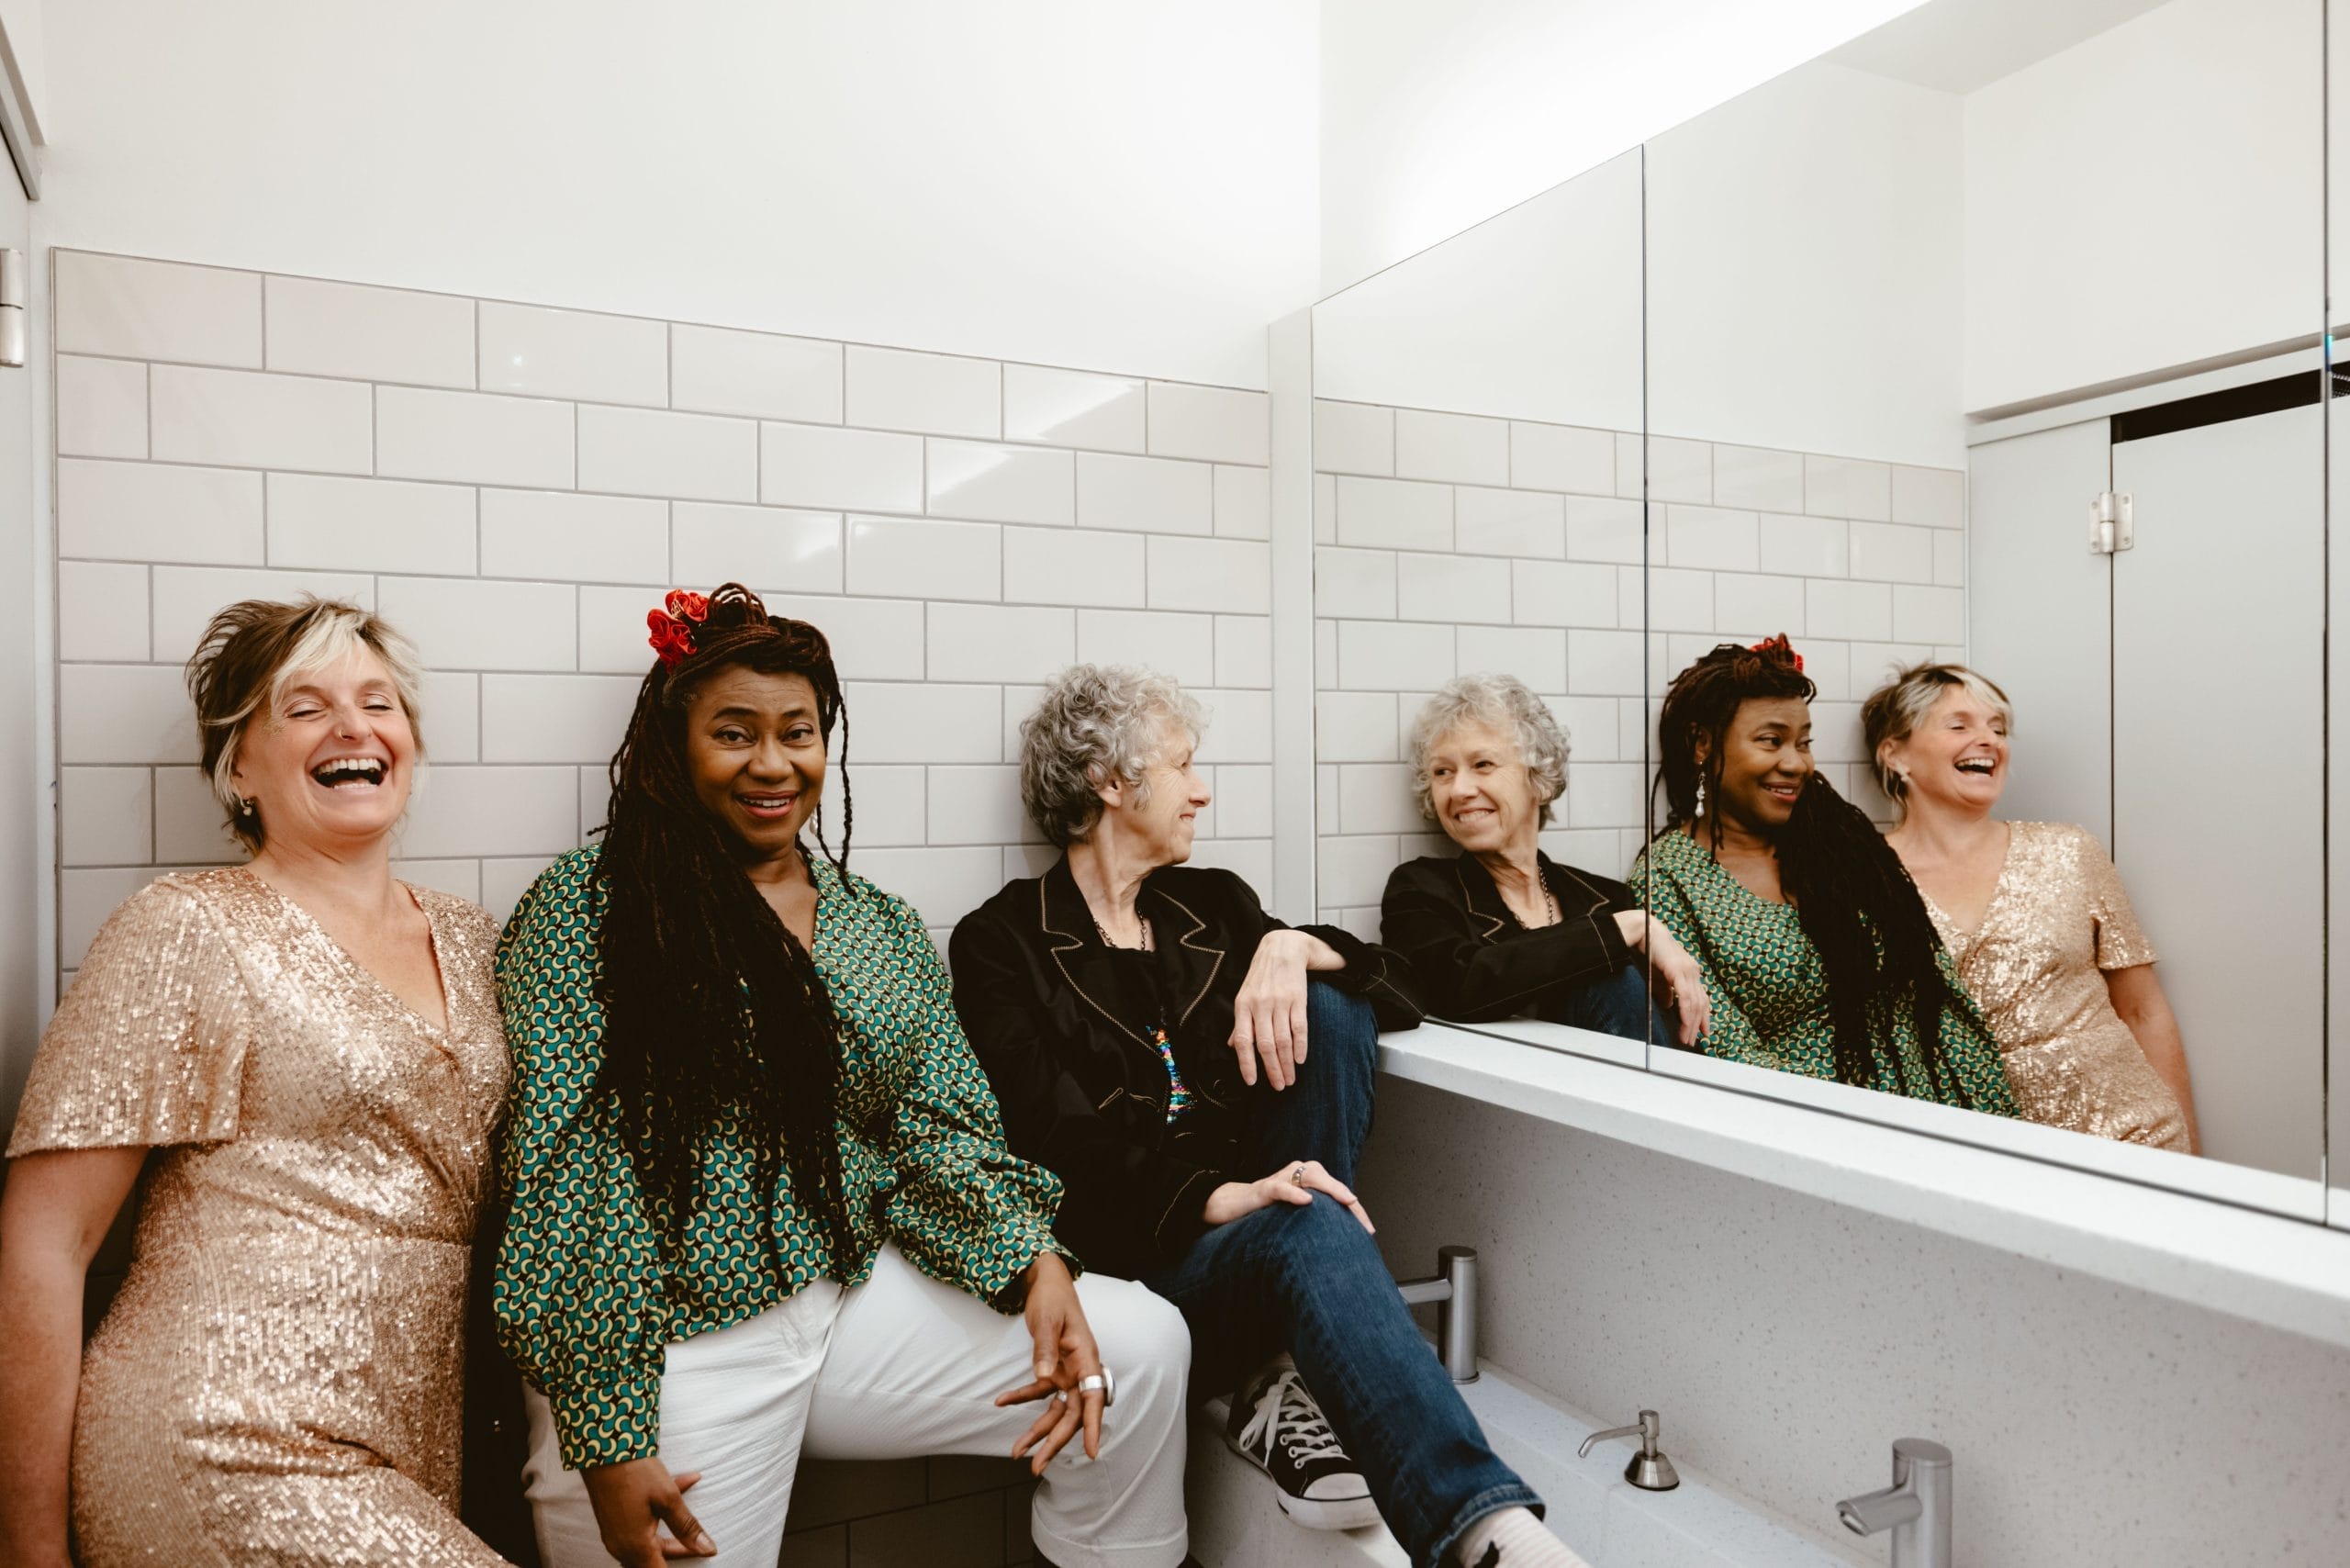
(1286, 1413)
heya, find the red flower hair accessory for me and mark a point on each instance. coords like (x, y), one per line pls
(1780, 644)
(672, 625)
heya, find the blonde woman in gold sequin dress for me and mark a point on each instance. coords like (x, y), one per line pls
(2035, 915)
(305, 1055)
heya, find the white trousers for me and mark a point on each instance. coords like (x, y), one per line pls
(899, 1367)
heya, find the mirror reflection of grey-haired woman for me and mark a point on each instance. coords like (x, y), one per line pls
(2034, 915)
(1500, 928)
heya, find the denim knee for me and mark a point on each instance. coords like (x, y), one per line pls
(1313, 1240)
(1338, 1018)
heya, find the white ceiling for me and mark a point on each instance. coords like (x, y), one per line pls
(1958, 46)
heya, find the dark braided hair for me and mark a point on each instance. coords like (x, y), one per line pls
(713, 1009)
(1858, 906)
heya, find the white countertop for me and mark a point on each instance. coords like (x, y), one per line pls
(2286, 1273)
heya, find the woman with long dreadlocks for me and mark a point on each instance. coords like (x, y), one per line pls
(761, 1204)
(1817, 954)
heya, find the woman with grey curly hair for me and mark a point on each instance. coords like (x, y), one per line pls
(1502, 929)
(1158, 1041)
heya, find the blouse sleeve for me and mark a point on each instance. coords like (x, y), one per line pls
(578, 1291)
(1730, 1032)
(965, 1211)
(149, 1046)
(2121, 942)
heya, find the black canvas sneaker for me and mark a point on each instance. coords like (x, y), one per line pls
(1276, 1424)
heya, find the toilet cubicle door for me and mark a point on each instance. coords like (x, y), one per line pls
(2039, 622)
(2218, 727)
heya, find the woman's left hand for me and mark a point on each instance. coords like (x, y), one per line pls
(1672, 971)
(1065, 1353)
(1268, 1015)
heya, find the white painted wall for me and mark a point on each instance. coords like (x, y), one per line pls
(20, 23)
(2146, 199)
(1534, 314)
(1435, 116)
(1122, 187)
(1804, 270)
(515, 488)
(1803, 248)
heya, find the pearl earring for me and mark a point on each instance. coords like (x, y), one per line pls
(1701, 795)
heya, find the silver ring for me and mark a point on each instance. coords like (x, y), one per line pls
(1297, 1176)
(1104, 1380)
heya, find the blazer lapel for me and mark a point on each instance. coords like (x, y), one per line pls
(1193, 960)
(1575, 896)
(1484, 898)
(1085, 966)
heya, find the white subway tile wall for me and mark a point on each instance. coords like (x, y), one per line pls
(1448, 543)
(515, 486)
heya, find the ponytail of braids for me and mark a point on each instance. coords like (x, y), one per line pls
(714, 1012)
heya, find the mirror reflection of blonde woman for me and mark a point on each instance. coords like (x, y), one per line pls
(2035, 915)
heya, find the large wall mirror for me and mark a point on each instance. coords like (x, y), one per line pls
(1964, 282)
(1984, 359)
(1479, 473)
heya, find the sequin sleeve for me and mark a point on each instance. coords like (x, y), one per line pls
(2121, 942)
(578, 1289)
(965, 1211)
(149, 1046)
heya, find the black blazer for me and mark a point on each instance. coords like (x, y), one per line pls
(1084, 1094)
(1471, 959)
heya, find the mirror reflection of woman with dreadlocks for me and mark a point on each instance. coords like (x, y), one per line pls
(1817, 952)
(761, 1201)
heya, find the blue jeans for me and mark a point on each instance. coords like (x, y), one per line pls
(1309, 1280)
(1618, 1006)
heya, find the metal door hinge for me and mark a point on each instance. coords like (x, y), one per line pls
(12, 300)
(2112, 528)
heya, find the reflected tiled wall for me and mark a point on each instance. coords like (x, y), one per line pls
(515, 486)
(1449, 544)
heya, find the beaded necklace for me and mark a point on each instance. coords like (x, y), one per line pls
(1179, 1093)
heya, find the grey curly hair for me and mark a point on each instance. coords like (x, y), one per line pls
(1503, 702)
(1093, 726)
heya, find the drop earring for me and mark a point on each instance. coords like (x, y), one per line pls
(1701, 794)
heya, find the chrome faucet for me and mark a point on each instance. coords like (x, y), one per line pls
(1454, 1289)
(1916, 1507)
(1649, 1470)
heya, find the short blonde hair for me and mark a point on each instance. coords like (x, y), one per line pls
(255, 649)
(1895, 710)
(1502, 702)
(1094, 726)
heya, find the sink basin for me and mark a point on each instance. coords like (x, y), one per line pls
(1236, 1523)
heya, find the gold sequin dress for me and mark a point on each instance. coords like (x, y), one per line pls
(2057, 920)
(280, 1380)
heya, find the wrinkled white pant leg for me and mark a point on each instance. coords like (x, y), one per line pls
(914, 1368)
(734, 1404)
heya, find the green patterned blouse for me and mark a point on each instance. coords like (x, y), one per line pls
(583, 1307)
(1769, 988)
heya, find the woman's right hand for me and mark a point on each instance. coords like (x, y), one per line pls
(1295, 1182)
(632, 1500)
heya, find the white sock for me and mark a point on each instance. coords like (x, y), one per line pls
(1524, 1542)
